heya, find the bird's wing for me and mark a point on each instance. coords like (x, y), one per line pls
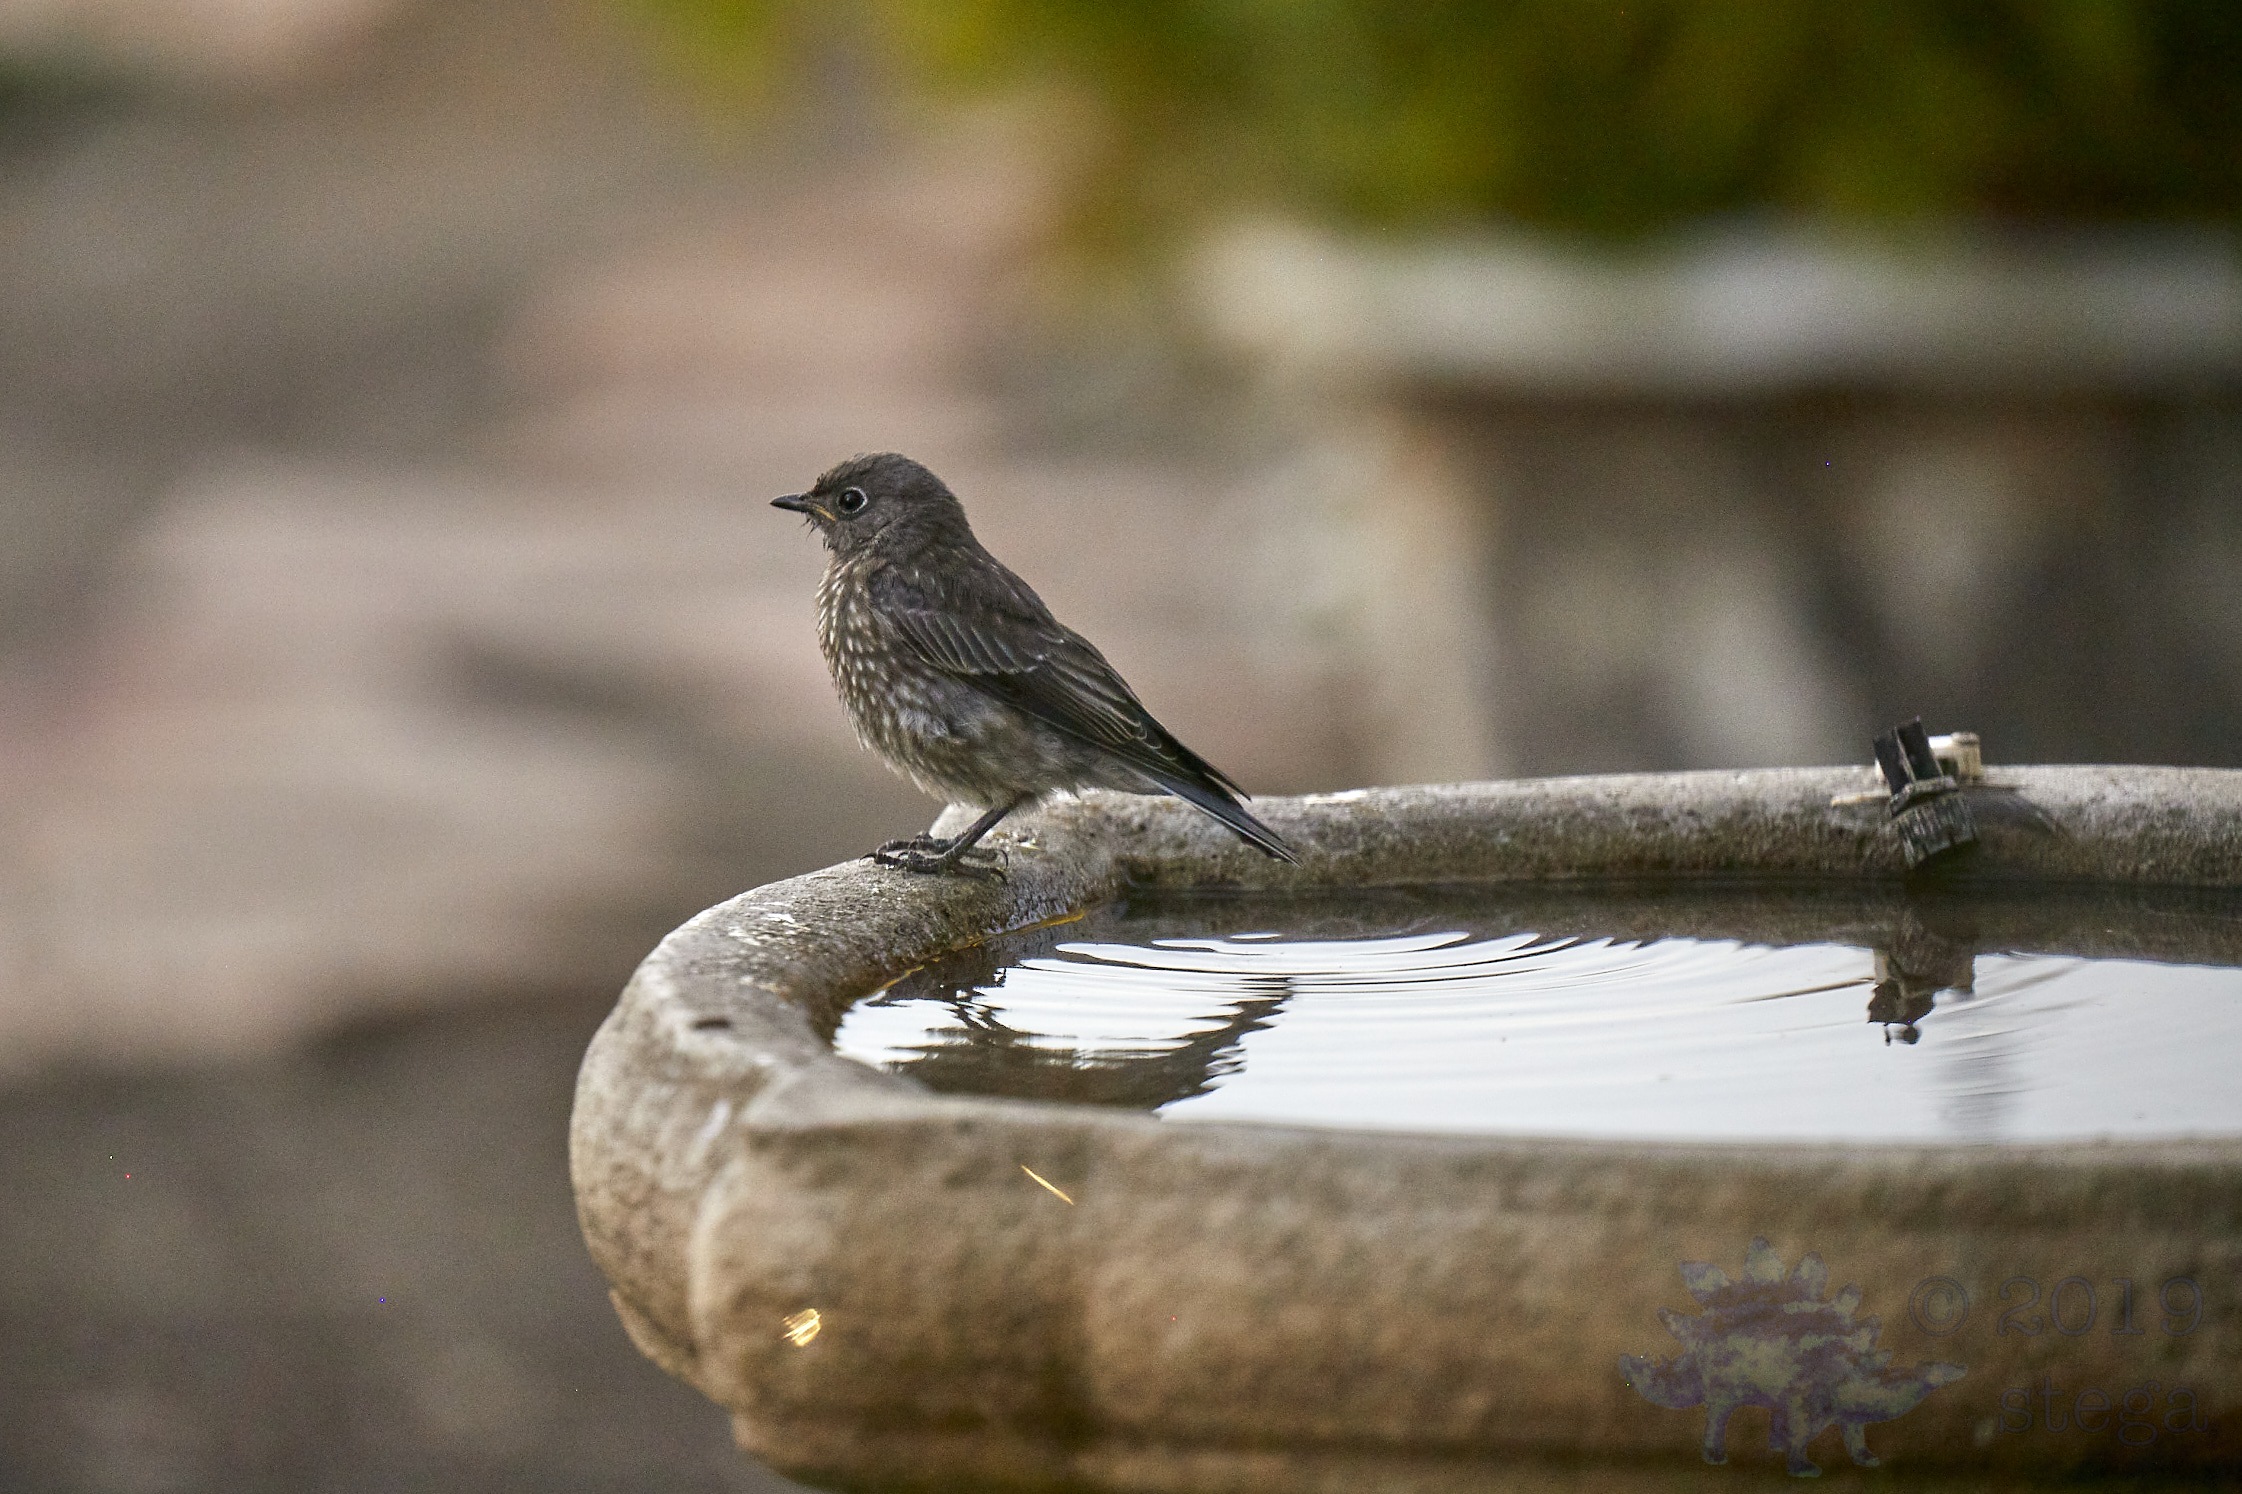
(972, 618)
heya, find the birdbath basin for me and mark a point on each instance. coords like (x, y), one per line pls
(1562, 1132)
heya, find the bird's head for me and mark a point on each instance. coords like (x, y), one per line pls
(884, 502)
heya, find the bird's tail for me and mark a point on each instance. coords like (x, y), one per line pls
(1218, 802)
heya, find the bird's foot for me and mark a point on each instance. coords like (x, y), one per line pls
(930, 855)
(931, 845)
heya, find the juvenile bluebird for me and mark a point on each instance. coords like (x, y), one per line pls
(956, 673)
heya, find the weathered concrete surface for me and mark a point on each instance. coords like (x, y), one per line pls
(1228, 1306)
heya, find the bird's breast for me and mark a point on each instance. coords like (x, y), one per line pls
(890, 695)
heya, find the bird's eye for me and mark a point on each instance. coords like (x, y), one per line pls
(851, 501)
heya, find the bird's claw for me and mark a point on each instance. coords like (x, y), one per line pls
(929, 855)
(928, 844)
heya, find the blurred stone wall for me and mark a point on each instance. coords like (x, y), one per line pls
(1747, 499)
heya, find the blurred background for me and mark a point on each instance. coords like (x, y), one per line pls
(394, 641)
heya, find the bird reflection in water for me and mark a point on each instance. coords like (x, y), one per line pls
(982, 1054)
(1912, 967)
(1929, 962)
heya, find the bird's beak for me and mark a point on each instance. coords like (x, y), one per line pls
(800, 504)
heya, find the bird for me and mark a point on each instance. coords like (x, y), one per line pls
(954, 672)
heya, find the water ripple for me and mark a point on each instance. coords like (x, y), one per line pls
(1456, 1030)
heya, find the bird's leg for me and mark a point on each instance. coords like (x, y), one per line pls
(931, 853)
(925, 843)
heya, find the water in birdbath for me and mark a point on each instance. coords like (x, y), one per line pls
(1681, 1012)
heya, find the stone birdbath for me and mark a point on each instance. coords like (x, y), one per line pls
(889, 1287)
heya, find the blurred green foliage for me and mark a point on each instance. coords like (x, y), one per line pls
(1585, 115)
